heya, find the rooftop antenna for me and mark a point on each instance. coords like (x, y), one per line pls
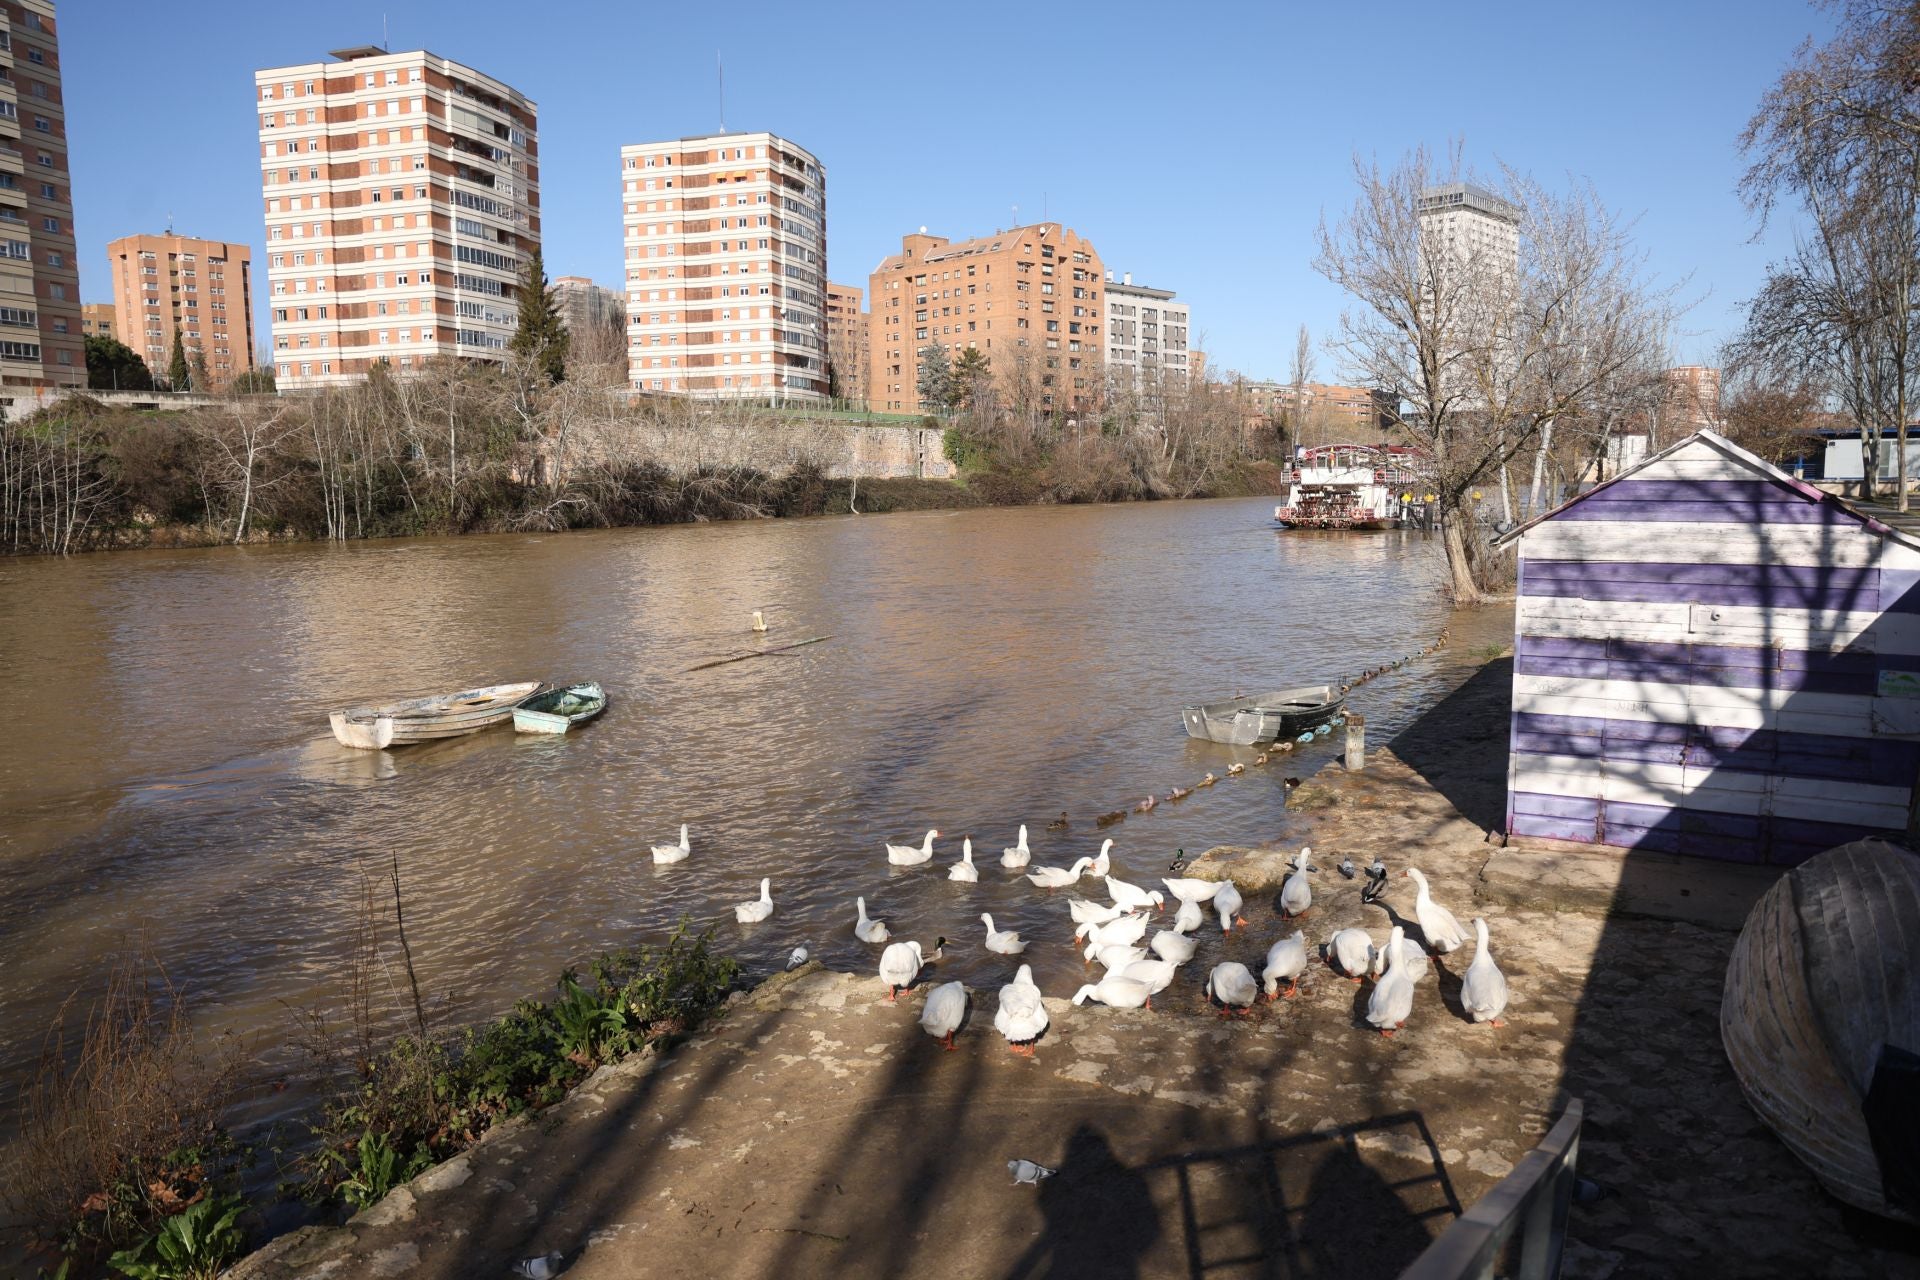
(1016, 215)
(169, 222)
(720, 69)
(384, 46)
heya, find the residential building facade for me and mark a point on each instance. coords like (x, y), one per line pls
(725, 241)
(847, 341)
(1693, 398)
(1146, 338)
(1467, 225)
(41, 340)
(200, 289)
(1031, 298)
(402, 196)
(585, 305)
(96, 320)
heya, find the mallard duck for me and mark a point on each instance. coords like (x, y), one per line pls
(1483, 991)
(964, 869)
(663, 853)
(1018, 855)
(1392, 998)
(1002, 941)
(1231, 984)
(945, 1010)
(1022, 1015)
(1114, 990)
(1060, 823)
(1290, 783)
(758, 910)
(870, 931)
(1146, 806)
(1179, 793)
(1110, 817)
(906, 855)
(1286, 959)
(1056, 878)
(1438, 926)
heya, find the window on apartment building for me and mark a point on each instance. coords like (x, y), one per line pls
(56, 260)
(42, 124)
(34, 55)
(50, 224)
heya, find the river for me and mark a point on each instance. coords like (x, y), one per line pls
(167, 777)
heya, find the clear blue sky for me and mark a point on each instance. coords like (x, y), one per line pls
(1209, 140)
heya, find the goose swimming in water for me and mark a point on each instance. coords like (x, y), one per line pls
(1002, 941)
(1018, 855)
(1055, 877)
(1086, 911)
(871, 931)
(1102, 861)
(1133, 897)
(964, 869)
(1177, 947)
(757, 910)
(906, 855)
(665, 853)
(1188, 917)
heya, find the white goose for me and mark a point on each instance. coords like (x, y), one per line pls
(1483, 991)
(1157, 974)
(1102, 861)
(1133, 897)
(906, 855)
(1188, 917)
(873, 931)
(1232, 984)
(1296, 895)
(1414, 962)
(1437, 924)
(1087, 911)
(758, 910)
(1055, 878)
(1017, 856)
(1351, 952)
(1177, 947)
(1392, 998)
(1022, 1015)
(1114, 956)
(1122, 932)
(964, 870)
(1004, 942)
(1114, 990)
(663, 853)
(946, 1009)
(1227, 901)
(901, 963)
(1286, 959)
(1189, 890)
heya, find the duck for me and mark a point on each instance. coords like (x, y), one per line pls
(1060, 823)
(901, 963)
(1189, 890)
(964, 869)
(1483, 991)
(1261, 758)
(1235, 769)
(1207, 781)
(1231, 983)
(1002, 941)
(1116, 991)
(1122, 931)
(1114, 956)
(1102, 861)
(758, 910)
(1146, 806)
(1022, 1015)
(663, 853)
(1291, 784)
(1177, 947)
(1437, 924)
(1286, 959)
(1188, 917)
(1392, 998)
(1296, 895)
(1179, 793)
(1055, 878)
(1350, 951)
(873, 931)
(1086, 911)
(1133, 897)
(1227, 901)
(1017, 855)
(906, 855)
(1157, 973)
(1284, 746)
(945, 1010)
(1110, 817)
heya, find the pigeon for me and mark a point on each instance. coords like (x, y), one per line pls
(1346, 868)
(1028, 1172)
(541, 1267)
(798, 958)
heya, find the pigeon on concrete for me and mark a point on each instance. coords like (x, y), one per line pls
(1029, 1172)
(1346, 868)
(798, 958)
(542, 1267)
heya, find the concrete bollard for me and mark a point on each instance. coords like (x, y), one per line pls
(1356, 742)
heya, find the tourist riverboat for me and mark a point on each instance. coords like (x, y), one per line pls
(1346, 486)
(1256, 721)
(447, 715)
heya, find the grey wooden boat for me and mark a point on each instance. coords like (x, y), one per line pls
(1255, 721)
(447, 715)
(559, 709)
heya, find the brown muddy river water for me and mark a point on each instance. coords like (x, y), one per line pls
(167, 775)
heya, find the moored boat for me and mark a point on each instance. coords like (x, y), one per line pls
(1251, 722)
(560, 708)
(447, 715)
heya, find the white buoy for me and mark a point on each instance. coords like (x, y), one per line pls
(759, 623)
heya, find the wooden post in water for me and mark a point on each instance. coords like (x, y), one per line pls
(1356, 742)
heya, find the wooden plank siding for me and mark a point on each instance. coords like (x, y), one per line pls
(1714, 659)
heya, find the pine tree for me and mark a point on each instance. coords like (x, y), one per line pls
(970, 373)
(935, 383)
(177, 365)
(542, 334)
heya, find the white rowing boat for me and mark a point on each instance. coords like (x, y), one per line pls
(447, 715)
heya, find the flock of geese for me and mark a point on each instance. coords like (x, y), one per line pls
(1110, 934)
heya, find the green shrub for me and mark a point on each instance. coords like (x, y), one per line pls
(195, 1244)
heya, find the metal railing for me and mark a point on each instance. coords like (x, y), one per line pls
(1533, 1199)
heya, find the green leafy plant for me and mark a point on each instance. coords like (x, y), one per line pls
(380, 1170)
(586, 1022)
(195, 1244)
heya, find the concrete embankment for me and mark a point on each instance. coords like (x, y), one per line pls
(816, 1130)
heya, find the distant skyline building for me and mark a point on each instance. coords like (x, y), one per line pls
(1146, 337)
(1031, 298)
(585, 305)
(847, 340)
(41, 339)
(1693, 398)
(725, 243)
(201, 288)
(402, 195)
(1470, 225)
(96, 320)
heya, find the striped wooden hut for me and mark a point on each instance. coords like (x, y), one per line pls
(1713, 658)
